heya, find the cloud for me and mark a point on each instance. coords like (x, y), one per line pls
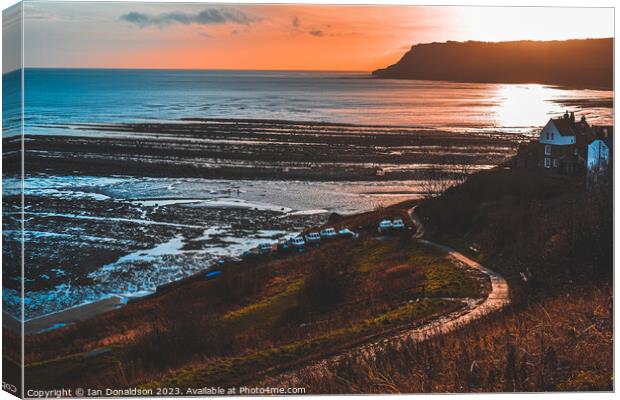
(296, 22)
(208, 16)
(136, 18)
(34, 12)
(317, 33)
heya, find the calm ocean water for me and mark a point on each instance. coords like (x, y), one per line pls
(66, 96)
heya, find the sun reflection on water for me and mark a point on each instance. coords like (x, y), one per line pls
(533, 104)
(524, 105)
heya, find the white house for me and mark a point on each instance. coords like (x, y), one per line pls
(568, 147)
(599, 153)
(558, 132)
(561, 141)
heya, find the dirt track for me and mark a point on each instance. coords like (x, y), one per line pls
(498, 298)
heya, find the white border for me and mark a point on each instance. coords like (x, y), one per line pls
(540, 3)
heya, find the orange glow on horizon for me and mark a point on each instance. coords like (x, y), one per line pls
(280, 37)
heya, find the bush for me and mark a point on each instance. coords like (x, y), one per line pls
(538, 231)
(173, 341)
(322, 290)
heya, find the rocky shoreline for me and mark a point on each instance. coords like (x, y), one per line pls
(116, 209)
(260, 149)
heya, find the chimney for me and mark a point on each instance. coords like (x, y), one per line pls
(572, 117)
(566, 115)
(583, 119)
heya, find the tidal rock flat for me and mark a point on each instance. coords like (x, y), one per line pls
(261, 149)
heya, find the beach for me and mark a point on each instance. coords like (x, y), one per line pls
(139, 205)
(129, 189)
(258, 149)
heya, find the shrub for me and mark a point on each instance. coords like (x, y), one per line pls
(173, 341)
(323, 288)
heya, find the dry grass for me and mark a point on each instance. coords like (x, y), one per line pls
(538, 231)
(553, 241)
(331, 296)
(236, 370)
(561, 343)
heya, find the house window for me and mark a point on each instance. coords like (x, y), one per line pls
(576, 152)
(555, 163)
(552, 135)
(547, 150)
(547, 162)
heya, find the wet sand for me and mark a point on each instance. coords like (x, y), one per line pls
(261, 149)
(109, 245)
(81, 248)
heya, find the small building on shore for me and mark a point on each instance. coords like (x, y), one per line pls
(563, 142)
(599, 162)
(567, 146)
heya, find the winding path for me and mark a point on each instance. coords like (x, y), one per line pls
(498, 298)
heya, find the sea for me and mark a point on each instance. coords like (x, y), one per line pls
(65, 96)
(57, 99)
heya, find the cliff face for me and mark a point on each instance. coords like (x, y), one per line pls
(583, 63)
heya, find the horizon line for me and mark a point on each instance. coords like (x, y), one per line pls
(307, 70)
(194, 69)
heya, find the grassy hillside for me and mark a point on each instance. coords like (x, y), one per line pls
(553, 241)
(563, 342)
(261, 316)
(547, 235)
(541, 232)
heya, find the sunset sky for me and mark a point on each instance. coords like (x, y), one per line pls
(299, 37)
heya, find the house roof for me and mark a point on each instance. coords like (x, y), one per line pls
(583, 127)
(566, 127)
(563, 126)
